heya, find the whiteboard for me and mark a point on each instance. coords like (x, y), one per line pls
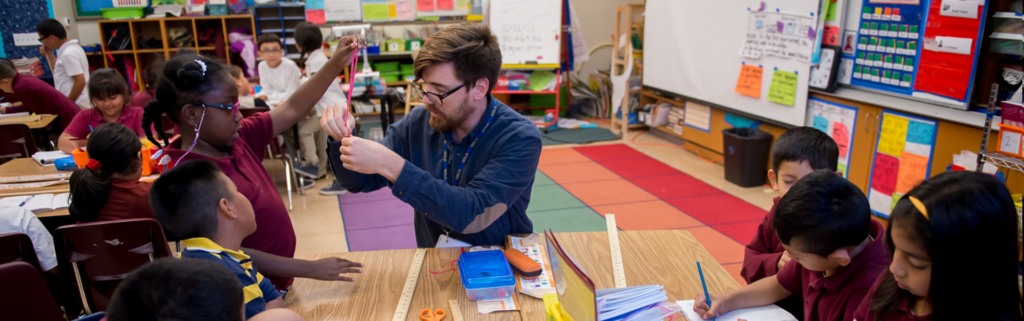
(692, 48)
(528, 30)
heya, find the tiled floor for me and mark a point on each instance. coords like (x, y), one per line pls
(646, 186)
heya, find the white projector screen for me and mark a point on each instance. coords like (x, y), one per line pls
(691, 48)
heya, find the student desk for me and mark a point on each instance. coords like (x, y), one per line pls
(43, 122)
(28, 166)
(650, 257)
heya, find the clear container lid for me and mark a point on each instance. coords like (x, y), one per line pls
(486, 269)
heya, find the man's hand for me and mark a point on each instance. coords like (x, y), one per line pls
(783, 259)
(717, 308)
(46, 52)
(370, 157)
(334, 123)
(330, 269)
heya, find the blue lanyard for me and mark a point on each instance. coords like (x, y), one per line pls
(458, 174)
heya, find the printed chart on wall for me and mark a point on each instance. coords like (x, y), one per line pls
(903, 157)
(888, 45)
(836, 120)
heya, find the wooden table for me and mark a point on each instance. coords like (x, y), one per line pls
(42, 122)
(28, 166)
(650, 257)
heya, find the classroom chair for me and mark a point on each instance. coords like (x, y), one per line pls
(17, 141)
(277, 151)
(17, 247)
(25, 296)
(94, 257)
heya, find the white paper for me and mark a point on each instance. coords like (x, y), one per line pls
(540, 285)
(845, 71)
(40, 203)
(342, 10)
(779, 34)
(488, 306)
(61, 201)
(698, 116)
(445, 241)
(26, 39)
(959, 8)
(949, 44)
(879, 202)
(765, 313)
(918, 149)
(1009, 142)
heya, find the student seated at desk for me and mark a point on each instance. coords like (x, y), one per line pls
(825, 224)
(108, 188)
(796, 153)
(245, 97)
(108, 91)
(22, 220)
(279, 76)
(199, 205)
(953, 245)
(200, 96)
(34, 96)
(185, 289)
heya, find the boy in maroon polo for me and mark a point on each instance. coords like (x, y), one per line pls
(35, 96)
(825, 224)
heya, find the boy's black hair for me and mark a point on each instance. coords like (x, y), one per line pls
(825, 211)
(805, 144)
(184, 199)
(117, 148)
(183, 81)
(971, 214)
(268, 38)
(51, 27)
(107, 82)
(178, 289)
(308, 38)
(7, 69)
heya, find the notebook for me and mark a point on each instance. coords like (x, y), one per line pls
(40, 202)
(765, 313)
(47, 158)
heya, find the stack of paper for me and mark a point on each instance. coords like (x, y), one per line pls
(765, 313)
(614, 303)
(39, 203)
(47, 158)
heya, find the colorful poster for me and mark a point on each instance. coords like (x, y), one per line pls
(779, 34)
(902, 159)
(838, 121)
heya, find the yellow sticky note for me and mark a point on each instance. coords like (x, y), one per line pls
(913, 169)
(391, 11)
(375, 12)
(462, 4)
(783, 88)
(894, 135)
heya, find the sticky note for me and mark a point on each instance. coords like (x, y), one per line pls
(913, 169)
(391, 12)
(842, 137)
(316, 16)
(841, 169)
(749, 82)
(314, 4)
(375, 12)
(921, 133)
(425, 5)
(1009, 142)
(894, 135)
(884, 173)
(821, 123)
(895, 198)
(783, 88)
(445, 5)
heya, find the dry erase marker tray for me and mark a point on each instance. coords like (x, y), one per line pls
(486, 275)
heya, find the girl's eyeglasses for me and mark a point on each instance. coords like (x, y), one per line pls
(233, 108)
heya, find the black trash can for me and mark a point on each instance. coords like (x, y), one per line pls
(746, 155)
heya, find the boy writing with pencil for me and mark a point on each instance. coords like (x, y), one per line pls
(825, 224)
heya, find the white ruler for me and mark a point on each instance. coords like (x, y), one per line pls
(613, 242)
(410, 286)
(456, 312)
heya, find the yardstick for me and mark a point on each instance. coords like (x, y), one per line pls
(456, 312)
(613, 242)
(405, 300)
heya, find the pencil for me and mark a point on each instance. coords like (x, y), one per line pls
(705, 284)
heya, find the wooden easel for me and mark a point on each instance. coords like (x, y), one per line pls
(621, 63)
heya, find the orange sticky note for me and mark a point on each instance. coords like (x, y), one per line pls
(391, 12)
(749, 83)
(913, 169)
(316, 16)
(842, 137)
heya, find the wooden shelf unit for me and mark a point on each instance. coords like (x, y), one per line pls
(158, 28)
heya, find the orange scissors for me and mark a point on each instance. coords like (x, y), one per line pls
(437, 315)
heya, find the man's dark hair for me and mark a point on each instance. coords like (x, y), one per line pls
(7, 70)
(308, 37)
(178, 289)
(51, 27)
(268, 38)
(825, 211)
(470, 47)
(805, 144)
(184, 199)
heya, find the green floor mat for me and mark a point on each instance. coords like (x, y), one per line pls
(578, 136)
(542, 180)
(552, 197)
(580, 219)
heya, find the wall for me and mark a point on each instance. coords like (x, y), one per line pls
(88, 31)
(597, 19)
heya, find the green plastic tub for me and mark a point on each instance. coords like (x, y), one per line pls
(383, 67)
(123, 13)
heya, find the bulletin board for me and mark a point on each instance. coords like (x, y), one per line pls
(701, 52)
(903, 156)
(838, 121)
(528, 31)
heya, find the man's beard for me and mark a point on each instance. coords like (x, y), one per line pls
(444, 122)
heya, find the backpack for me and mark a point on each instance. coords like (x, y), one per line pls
(120, 39)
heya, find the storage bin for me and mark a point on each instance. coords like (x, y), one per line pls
(123, 12)
(746, 154)
(1007, 22)
(407, 68)
(391, 66)
(486, 275)
(390, 77)
(1005, 43)
(217, 10)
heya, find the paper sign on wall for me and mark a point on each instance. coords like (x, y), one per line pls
(342, 10)
(316, 16)
(375, 12)
(26, 39)
(836, 120)
(749, 82)
(921, 133)
(779, 34)
(949, 44)
(821, 123)
(783, 88)
(893, 136)
(913, 169)
(842, 137)
(1009, 142)
(425, 5)
(883, 179)
(445, 5)
(960, 8)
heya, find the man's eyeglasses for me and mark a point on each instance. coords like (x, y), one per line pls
(41, 39)
(437, 98)
(233, 108)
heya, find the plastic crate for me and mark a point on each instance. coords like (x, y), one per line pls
(392, 76)
(386, 66)
(407, 68)
(217, 10)
(130, 3)
(123, 13)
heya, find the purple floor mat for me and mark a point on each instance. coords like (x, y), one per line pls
(377, 221)
(385, 238)
(376, 214)
(378, 195)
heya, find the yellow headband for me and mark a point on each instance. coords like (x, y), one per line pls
(920, 207)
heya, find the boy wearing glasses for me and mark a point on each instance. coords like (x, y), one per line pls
(279, 76)
(466, 162)
(70, 68)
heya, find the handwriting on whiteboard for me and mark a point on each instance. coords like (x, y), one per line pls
(779, 34)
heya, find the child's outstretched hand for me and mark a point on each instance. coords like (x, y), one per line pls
(330, 269)
(347, 45)
(717, 309)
